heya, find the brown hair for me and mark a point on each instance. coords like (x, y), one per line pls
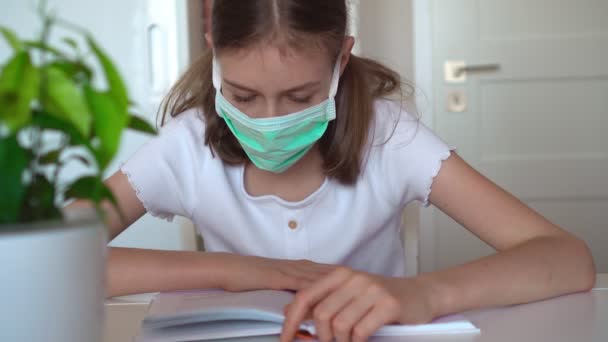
(242, 24)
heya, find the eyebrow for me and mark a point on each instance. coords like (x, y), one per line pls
(290, 90)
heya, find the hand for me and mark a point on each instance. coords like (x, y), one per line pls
(244, 273)
(349, 305)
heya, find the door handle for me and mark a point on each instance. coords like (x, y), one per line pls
(476, 68)
(456, 71)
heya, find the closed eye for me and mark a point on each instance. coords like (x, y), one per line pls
(244, 99)
(300, 99)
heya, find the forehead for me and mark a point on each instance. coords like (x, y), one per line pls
(274, 64)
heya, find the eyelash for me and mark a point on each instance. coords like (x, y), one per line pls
(300, 99)
(241, 99)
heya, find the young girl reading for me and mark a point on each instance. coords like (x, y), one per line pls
(287, 154)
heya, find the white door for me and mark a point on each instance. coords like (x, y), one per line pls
(533, 118)
(143, 39)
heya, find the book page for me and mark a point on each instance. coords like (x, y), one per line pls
(185, 307)
(453, 324)
(205, 314)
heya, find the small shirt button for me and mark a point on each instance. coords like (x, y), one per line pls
(293, 225)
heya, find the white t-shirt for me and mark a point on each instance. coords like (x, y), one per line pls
(357, 226)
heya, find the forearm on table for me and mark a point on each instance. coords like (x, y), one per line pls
(131, 270)
(538, 269)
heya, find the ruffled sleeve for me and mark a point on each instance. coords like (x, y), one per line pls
(163, 171)
(410, 154)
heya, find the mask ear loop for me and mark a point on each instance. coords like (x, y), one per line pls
(216, 73)
(335, 78)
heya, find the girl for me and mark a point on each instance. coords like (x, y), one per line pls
(295, 167)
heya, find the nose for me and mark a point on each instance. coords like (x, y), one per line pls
(272, 108)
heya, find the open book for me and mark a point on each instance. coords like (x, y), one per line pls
(215, 314)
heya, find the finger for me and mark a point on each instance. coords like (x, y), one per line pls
(286, 310)
(344, 321)
(325, 311)
(306, 299)
(375, 319)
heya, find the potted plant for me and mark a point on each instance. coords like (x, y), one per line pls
(53, 114)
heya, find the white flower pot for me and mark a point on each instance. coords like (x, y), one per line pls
(52, 281)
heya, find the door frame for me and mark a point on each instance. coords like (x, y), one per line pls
(423, 68)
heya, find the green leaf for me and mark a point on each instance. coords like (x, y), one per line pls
(32, 44)
(84, 188)
(109, 120)
(40, 201)
(50, 122)
(117, 87)
(19, 84)
(140, 125)
(71, 42)
(91, 188)
(13, 161)
(66, 100)
(11, 38)
(81, 159)
(50, 158)
(73, 69)
(108, 195)
(13, 71)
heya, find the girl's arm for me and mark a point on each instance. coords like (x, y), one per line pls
(131, 270)
(132, 209)
(536, 259)
(140, 270)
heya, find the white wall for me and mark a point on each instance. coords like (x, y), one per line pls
(386, 33)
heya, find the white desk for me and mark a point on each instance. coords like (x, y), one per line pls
(578, 317)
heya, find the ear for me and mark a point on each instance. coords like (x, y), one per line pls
(209, 40)
(347, 48)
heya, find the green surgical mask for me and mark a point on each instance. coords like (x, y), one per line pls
(275, 144)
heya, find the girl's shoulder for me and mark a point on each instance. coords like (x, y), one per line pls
(190, 121)
(186, 130)
(394, 123)
(162, 172)
(405, 152)
(181, 139)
